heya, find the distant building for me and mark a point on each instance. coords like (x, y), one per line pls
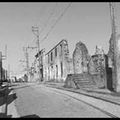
(39, 70)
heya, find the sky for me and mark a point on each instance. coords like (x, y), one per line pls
(87, 22)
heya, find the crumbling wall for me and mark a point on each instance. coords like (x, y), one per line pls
(89, 71)
(97, 68)
(80, 58)
(110, 55)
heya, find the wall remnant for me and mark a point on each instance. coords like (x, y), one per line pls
(80, 58)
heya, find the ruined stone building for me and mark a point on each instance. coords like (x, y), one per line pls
(57, 64)
(97, 61)
(80, 58)
(97, 67)
(80, 78)
(35, 69)
(115, 83)
(39, 70)
(114, 52)
(89, 71)
(54, 65)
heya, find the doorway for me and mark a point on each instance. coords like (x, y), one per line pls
(109, 79)
(41, 73)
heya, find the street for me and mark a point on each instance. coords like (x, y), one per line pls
(42, 101)
(59, 60)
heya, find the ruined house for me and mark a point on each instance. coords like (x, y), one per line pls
(97, 61)
(89, 71)
(81, 77)
(97, 67)
(57, 62)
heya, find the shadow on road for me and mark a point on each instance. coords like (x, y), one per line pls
(5, 100)
(3, 115)
(30, 116)
(11, 98)
(3, 91)
(3, 94)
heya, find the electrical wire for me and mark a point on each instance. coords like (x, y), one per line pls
(52, 27)
(47, 21)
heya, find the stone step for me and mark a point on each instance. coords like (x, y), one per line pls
(82, 80)
(86, 86)
(84, 83)
(87, 83)
(81, 84)
(81, 77)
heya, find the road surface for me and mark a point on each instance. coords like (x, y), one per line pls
(41, 101)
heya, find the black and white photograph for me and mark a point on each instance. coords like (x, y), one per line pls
(59, 59)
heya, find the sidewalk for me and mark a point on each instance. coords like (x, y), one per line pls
(103, 94)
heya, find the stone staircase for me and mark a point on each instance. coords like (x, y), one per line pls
(80, 81)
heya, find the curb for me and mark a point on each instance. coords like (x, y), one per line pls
(86, 94)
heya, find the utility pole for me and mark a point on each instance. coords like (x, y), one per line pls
(113, 26)
(0, 66)
(9, 71)
(31, 67)
(2, 57)
(25, 49)
(35, 30)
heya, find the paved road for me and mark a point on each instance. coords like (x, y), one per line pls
(41, 101)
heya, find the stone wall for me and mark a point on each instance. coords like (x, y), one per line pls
(118, 63)
(83, 81)
(80, 58)
(87, 70)
(58, 68)
(97, 68)
(111, 61)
